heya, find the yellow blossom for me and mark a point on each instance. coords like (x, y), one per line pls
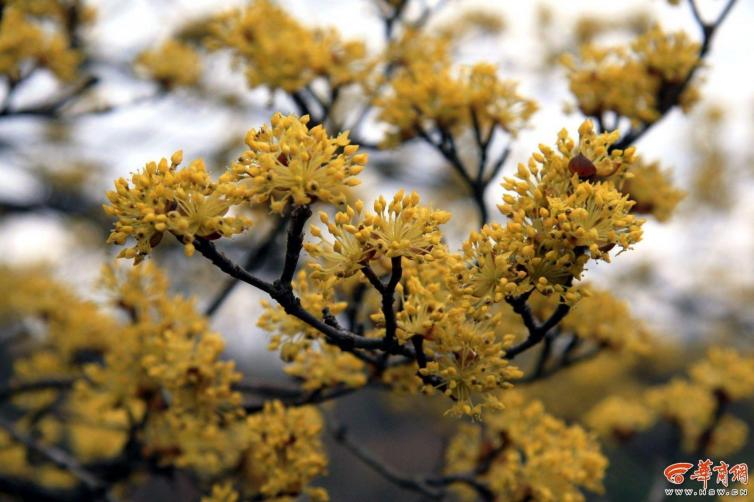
(23, 41)
(536, 456)
(559, 218)
(288, 162)
(726, 370)
(172, 64)
(728, 437)
(285, 451)
(629, 80)
(600, 317)
(652, 191)
(688, 405)
(424, 97)
(399, 228)
(162, 198)
(279, 52)
(619, 417)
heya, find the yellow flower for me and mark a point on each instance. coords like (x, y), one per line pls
(285, 451)
(728, 437)
(403, 227)
(469, 359)
(651, 189)
(688, 405)
(348, 252)
(303, 349)
(619, 417)
(426, 95)
(399, 228)
(290, 163)
(162, 198)
(536, 455)
(281, 53)
(629, 80)
(559, 217)
(222, 492)
(600, 317)
(172, 64)
(23, 41)
(726, 370)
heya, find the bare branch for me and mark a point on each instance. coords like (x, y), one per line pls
(56, 456)
(417, 484)
(14, 389)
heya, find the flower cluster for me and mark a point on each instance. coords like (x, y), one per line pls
(599, 317)
(619, 417)
(725, 371)
(415, 45)
(469, 359)
(472, 21)
(285, 452)
(652, 190)
(167, 359)
(185, 202)
(563, 209)
(629, 81)
(70, 331)
(172, 64)
(280, 53)
(685, 404)
(157, 379)
(465, 352)
(535, 456)
(24, 41)
(302, 347)
(287, 163)
(290, 163)
(690, 404)
(428, 95)
(400, 228)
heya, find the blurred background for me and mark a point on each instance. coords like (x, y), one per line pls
(691, 279)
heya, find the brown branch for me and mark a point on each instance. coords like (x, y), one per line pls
(304, 398)
(391, 325)
(565, 362)
(208, 249)
(299, 215)
(283, 294)
(14, 389)
(705, 439)
(537, 333)
(56, 456)
(414, 484)
(255, 259)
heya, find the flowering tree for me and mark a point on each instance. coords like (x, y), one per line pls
(374, 295)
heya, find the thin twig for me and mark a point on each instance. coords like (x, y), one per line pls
(255, 259)
(283, 294)
(418, 485)
(304, 398)
(56, 456)
(14, 389)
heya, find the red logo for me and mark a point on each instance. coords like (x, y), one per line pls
(739, 473)
(674, 472)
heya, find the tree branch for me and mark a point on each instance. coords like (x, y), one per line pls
(536, 332)
(299, 215)
(13, 389)
(56, 456)
(255, 259)
(417, 484)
